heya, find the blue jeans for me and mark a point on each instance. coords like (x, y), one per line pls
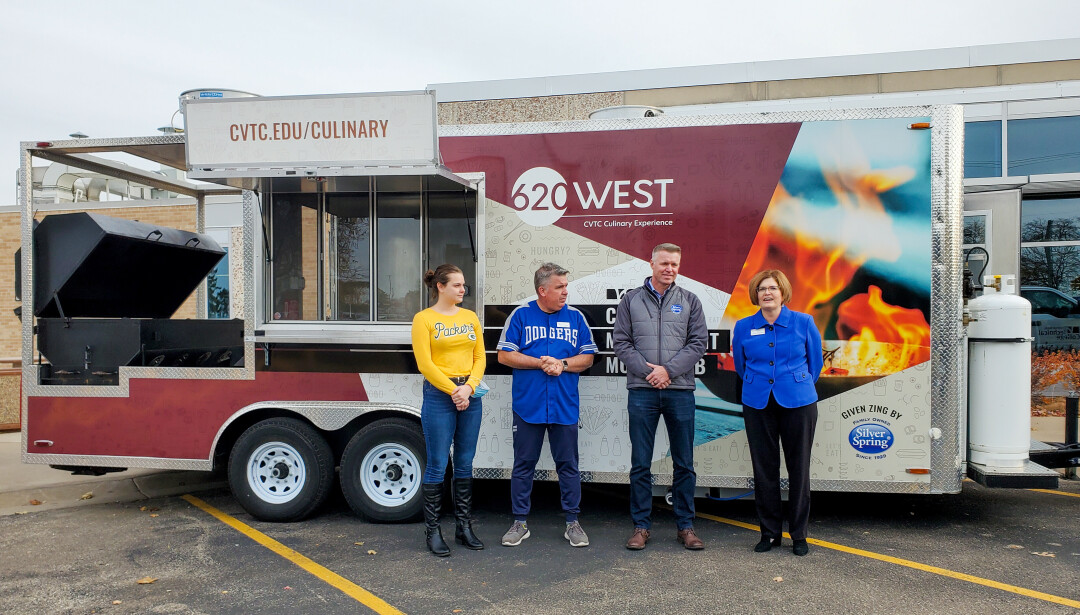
(445, 425)
(645, 407)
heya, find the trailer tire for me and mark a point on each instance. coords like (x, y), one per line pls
(382, 470)
(281, 470)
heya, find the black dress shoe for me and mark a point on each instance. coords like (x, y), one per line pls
(765, 544)
(799, 547)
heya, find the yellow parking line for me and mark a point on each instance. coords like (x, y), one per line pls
(1030, 593)
(1071, 495)
(349, 588)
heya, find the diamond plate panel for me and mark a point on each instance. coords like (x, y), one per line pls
(947, 344)
(109, 461)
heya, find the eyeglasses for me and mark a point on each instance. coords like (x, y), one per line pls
(768, 289)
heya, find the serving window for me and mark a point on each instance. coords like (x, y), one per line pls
(354, 249)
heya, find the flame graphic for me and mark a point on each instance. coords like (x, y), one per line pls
(821, 246)
(881, 338)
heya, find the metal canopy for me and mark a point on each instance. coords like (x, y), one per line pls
(248, 179)
(169, 150)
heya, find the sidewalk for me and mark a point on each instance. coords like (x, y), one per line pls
(22, 483)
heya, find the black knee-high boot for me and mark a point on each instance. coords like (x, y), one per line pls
(432, 530)
(463, 513)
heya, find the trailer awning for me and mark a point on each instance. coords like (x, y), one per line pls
(169, 150)
(165, 150)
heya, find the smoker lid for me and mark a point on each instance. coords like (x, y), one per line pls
(90, 265)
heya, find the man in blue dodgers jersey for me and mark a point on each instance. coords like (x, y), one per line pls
(548, 343)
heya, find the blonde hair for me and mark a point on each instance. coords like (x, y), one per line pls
(666, 247)
(761, 276)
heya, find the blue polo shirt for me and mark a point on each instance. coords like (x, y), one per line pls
(539, 398)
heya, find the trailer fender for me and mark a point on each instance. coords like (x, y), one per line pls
(326, 416)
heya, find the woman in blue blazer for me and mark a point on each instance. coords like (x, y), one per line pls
(778, 356)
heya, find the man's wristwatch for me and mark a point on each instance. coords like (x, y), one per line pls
(565, 365)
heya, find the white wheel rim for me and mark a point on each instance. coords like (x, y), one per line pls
(390, 474)
(276, 472)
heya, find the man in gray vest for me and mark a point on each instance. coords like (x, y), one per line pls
(660, 335)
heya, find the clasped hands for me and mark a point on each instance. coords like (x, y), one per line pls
(658, 377)
(551, 365)
(460, 396)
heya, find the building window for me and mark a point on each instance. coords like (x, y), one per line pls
(1044, 145)
(976, 243)
(217, 289)
(1050, 244)
(982, 149)
(975, 229)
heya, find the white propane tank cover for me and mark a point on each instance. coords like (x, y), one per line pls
(999, 378)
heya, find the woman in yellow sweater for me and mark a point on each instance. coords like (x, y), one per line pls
(448, 344)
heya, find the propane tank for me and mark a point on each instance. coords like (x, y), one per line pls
(999, 376)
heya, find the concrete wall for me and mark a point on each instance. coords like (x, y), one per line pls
(536, 109)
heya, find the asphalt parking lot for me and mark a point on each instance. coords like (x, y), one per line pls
(979, 552)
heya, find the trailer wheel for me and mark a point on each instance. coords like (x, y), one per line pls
(281, 470)
(382, 469)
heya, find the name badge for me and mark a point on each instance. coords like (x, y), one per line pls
(760, 331)
(563, 325)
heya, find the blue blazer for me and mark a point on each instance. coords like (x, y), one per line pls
(783, 358)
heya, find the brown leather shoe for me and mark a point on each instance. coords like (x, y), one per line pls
(690, 540)
(638, 540)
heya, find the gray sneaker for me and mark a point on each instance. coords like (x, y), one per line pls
(518, 531)
(576, 535)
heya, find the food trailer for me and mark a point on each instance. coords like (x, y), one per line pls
(347, 199)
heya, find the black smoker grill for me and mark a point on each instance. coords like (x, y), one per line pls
(104, 290)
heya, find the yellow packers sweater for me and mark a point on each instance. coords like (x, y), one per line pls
(448, 346)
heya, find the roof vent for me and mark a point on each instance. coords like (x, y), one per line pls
(625, 111)
(203, 94)
(212, 94)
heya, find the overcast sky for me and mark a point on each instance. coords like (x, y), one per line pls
(115, 68)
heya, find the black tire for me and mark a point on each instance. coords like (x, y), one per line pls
(382, 471)
(296, 484)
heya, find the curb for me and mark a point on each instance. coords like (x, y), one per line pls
(108, 491)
